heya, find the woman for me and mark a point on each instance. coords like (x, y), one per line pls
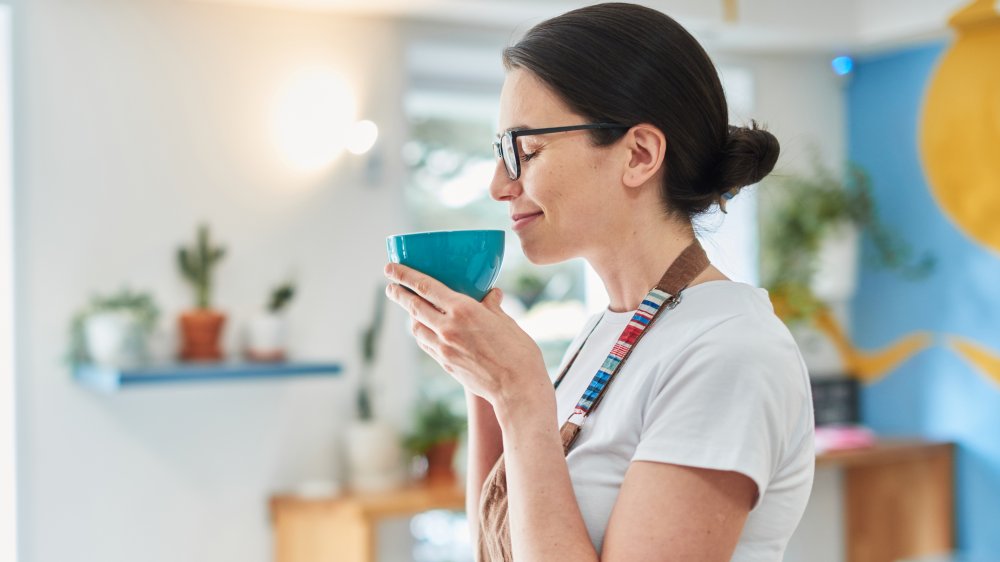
(615, 135)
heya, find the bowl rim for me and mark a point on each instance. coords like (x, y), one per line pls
(438, 232)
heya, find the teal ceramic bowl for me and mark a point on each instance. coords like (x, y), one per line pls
(467, 261)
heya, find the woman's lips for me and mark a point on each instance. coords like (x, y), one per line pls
(522, 219)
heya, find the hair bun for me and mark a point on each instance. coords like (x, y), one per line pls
(749, 155)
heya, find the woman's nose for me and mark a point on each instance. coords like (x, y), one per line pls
(502, 188)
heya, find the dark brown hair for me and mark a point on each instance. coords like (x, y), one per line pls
(629, 64)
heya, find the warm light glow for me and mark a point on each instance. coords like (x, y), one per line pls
(363, 136)
(314, 119)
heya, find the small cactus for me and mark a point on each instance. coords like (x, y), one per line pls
(197, 265)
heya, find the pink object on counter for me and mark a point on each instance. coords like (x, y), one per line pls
(836, 437)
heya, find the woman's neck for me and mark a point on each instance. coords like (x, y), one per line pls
(641, 254)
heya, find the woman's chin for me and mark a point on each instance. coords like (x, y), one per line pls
(543, 256)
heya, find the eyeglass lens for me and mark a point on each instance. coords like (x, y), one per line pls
(509, 156)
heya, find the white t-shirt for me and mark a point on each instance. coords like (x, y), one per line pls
(717, 383)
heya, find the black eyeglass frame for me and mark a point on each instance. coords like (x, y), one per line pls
(508, 142)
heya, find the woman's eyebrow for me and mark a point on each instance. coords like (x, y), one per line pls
(513, 129)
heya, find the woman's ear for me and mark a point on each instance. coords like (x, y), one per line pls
(647, 148)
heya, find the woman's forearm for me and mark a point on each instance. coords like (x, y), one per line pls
(485, 444)
(545, 519)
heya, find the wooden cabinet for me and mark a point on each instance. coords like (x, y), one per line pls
(343, 529)
(898, 500)
(898, 505)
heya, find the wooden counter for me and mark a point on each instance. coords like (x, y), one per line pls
(344, 529)
(898, 505)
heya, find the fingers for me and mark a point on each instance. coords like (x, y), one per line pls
(432, 290)
(419, 309)
(493, 299)
(424, 336)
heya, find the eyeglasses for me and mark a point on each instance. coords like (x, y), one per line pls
(505, 146)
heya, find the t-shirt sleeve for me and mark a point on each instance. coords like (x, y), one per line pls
(722, 403)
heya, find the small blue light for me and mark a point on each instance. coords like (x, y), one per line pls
(842, 65)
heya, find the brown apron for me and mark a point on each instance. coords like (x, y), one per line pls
(494, 521)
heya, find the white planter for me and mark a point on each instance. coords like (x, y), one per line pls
(266, 335)
(836, 276)
(115, 339)
(834, 282)
(374, 457)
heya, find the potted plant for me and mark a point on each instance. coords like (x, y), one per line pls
(435, 436)
(810, 238)
(267, 331)
(369, 352)
(374, 457)
(113, 331)
(201, 327)
(528, 287)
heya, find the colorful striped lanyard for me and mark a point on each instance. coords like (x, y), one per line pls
(665, 296)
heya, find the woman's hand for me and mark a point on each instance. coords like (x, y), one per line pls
(476, 343)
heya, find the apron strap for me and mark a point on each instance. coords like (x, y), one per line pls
(665, 296)
(689, 265)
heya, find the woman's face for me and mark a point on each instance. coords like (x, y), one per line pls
(567, 185)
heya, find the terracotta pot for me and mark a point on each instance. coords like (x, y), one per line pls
(200, 333)
(440, 458)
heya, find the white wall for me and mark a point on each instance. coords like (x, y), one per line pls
(8, 476)
(800, 100)
(139, 119)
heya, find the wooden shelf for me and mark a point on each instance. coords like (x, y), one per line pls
(111, 380)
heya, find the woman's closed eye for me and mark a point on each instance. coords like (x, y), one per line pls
(529, 149)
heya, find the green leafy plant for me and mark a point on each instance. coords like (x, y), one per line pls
(281, 296)
(139, 304)
(809, 209)
(528, 288)
(197, 264)
(436, 422)
(369, 351)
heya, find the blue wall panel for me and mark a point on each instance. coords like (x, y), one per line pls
(935, 394)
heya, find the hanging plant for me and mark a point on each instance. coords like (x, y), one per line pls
(810, 208)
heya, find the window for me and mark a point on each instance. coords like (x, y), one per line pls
(451, 106)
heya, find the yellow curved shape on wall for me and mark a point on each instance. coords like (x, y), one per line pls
(870, 366)
(960, 126)
(984, 360)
